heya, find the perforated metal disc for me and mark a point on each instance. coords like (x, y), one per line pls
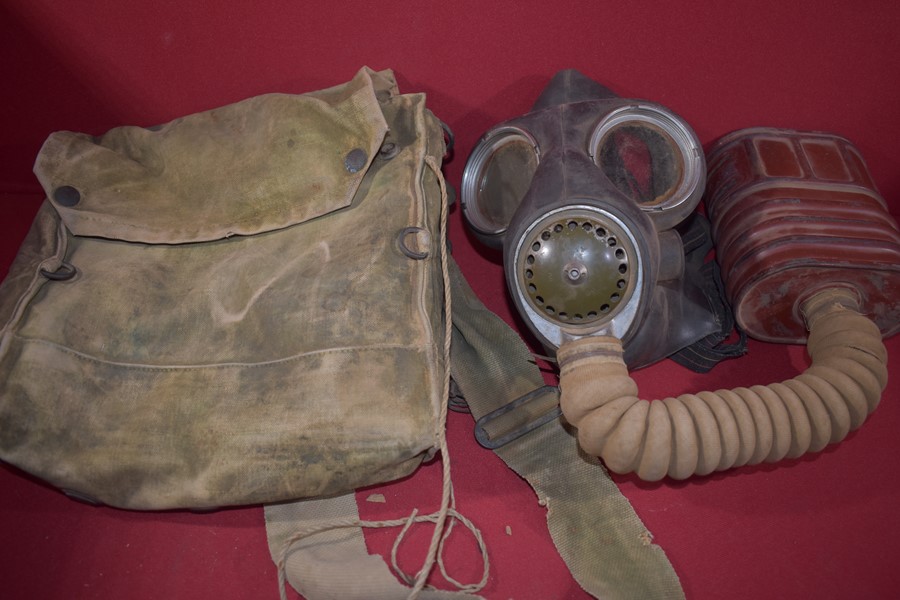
(576, 268)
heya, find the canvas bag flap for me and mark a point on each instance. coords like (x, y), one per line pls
(243, 324)
(265, 163)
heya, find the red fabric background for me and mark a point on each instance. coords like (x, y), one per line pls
(824, 526)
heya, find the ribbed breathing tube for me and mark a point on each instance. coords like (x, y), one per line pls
(697, 434)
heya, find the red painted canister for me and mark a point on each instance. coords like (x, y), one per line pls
(792, 213)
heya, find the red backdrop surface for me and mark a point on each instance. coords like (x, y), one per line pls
(824, 526)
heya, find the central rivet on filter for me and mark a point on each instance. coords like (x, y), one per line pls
(575, 272)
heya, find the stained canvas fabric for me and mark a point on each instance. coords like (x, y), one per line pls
(240, 306)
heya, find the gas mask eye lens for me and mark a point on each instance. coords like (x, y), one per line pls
(496, 178)
(642, 161)
(653, 158)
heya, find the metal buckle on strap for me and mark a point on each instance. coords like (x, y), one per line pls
(483, 424)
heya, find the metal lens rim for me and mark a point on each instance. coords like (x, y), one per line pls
(473, 174)
(685, 140)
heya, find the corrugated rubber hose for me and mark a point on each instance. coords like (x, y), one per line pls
(696, 434)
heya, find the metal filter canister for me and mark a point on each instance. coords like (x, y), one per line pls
(793, 213)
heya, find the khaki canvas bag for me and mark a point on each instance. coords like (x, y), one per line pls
(241, 306)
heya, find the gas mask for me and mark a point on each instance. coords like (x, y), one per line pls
(585, 194)
(591, 198)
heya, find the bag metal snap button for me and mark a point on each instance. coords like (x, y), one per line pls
(355, 160)
(67, 196)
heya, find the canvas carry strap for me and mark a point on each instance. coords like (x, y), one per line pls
(603, 542)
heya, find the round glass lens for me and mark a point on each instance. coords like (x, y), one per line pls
(642, 161)
(505, 178)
